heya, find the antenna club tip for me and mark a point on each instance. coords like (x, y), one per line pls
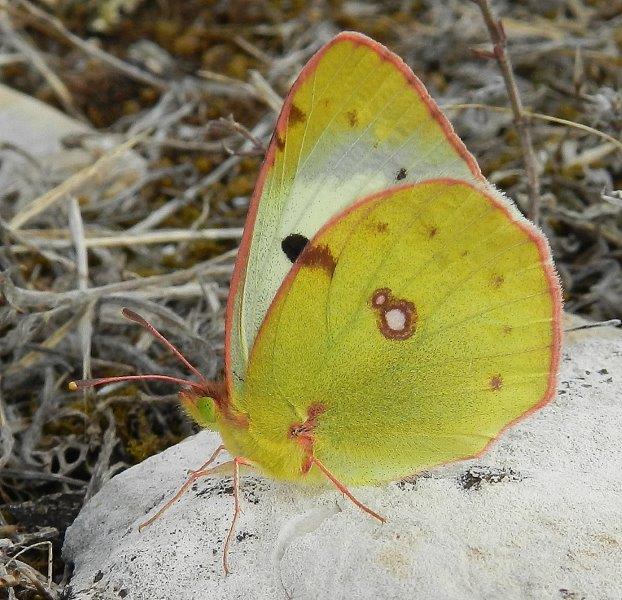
(128, 313)
(72, 386)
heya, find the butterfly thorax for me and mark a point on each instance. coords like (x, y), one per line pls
(277, 443)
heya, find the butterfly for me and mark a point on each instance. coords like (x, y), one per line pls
(390, 310)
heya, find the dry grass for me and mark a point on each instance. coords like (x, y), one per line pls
(157, 233)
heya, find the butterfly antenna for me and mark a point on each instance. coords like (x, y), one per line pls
(132, 316)
(83, 384)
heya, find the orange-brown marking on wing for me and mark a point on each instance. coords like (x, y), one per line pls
(303, 434)
(377, 226)
(296, 115)
(318, 257)
(496, 382)
(353, 117)
(497, 280)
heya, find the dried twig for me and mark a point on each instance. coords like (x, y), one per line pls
(161, 236)
(231, 123)
(72, 183)
(265, 91)
(39, 476)
(33, 578)
(24, 298)
(38, 62)
(52, 341)
(7, 439)
(534, 115)
(85, 326)
(115, 63)
(499, 40)
(252, 49)
(6, 232)
(48, 545)
(101, 472)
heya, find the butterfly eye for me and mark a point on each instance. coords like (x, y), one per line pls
(293, 245)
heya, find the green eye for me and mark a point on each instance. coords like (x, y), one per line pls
(205, 407)
(200, 409)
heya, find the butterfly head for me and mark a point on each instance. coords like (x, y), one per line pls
(200, 408)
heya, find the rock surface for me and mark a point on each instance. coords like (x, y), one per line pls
(34, 126)
(40, 132)
(539, 516)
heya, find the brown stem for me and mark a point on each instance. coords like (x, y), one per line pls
(115, 63)
(499, 40)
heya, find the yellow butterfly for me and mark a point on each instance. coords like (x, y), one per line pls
(389, 309)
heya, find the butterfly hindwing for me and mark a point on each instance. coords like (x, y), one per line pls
(424, 320)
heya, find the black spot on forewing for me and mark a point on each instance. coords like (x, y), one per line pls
(293, 245)
(401, 174)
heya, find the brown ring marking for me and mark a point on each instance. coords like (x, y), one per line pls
(383, 301)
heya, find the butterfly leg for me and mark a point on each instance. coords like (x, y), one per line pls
(237, 461)
(344, 490)
(202, 471)
(303, 433)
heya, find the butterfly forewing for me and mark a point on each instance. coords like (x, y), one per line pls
(356, 121)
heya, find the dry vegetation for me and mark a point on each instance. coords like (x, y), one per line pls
(155, 228)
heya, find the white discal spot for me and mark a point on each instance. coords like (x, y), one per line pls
(380, 299)
(395, 319)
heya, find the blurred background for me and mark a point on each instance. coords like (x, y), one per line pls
(131, 134)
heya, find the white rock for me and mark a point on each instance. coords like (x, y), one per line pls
(33, 126)
(545, 521)
(40, 131)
